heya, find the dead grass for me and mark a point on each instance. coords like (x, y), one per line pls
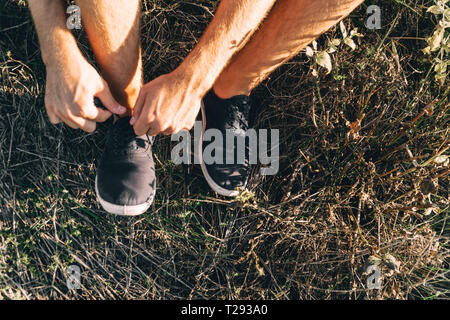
(343, 192)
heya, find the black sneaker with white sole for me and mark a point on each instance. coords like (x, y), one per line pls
(125, 183)
(232, 116)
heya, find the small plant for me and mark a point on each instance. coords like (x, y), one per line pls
(438, 42)
(323, 58)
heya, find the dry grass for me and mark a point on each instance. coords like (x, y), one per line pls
(341, 195)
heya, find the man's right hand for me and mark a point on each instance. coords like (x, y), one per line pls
(72, 85)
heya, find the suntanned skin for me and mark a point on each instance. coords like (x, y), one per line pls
(290, 27)
(114, 37)
(72, 83)
(171, 102)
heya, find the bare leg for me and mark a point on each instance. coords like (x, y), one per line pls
(113, 31)
(290, 26)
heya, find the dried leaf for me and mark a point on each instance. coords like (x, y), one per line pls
(434, 9)
(343, 29)
(309, 51)
(392, 263)
(436, 39)
(350, 43)
(323, 59)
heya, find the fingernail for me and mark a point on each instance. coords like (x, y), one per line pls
(132, 120)
(121, 109)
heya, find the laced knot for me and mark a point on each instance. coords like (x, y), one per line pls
(124, 139)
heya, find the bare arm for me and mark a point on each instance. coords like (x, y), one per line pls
(55, 39)
(72, 83)
(232, 26)
(171, 102)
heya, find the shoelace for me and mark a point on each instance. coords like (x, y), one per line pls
(123, 139)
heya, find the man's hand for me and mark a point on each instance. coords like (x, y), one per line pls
(171, 102)
(70, 91)
(72, 83)
(167, 104)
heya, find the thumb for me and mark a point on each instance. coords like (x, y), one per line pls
(109, 102)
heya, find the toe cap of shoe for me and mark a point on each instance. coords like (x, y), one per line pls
(126, 184)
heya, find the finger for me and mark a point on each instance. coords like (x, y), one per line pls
(138, 106)
(71, 124)
(52, 117)
(103, 115)
(154, 128)
(91, 112)
(169, 131)
(64, 118)
(188, 124)
(109, 102)
(145, 118)
(183, 127)
(186, 120)
(82, 123)
(181, 124)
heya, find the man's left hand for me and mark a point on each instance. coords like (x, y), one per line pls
(167, 105)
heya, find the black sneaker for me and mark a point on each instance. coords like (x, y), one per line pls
(230, 115)
(125, 182)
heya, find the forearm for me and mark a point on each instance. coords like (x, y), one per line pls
(231, 27)
(56, 40)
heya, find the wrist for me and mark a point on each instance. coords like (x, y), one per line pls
(193, 79)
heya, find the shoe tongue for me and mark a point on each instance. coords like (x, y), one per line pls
(124, 128)
(124, 131)
(124, 124)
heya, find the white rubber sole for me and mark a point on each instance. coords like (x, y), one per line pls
(220, 190)
(120, 210)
